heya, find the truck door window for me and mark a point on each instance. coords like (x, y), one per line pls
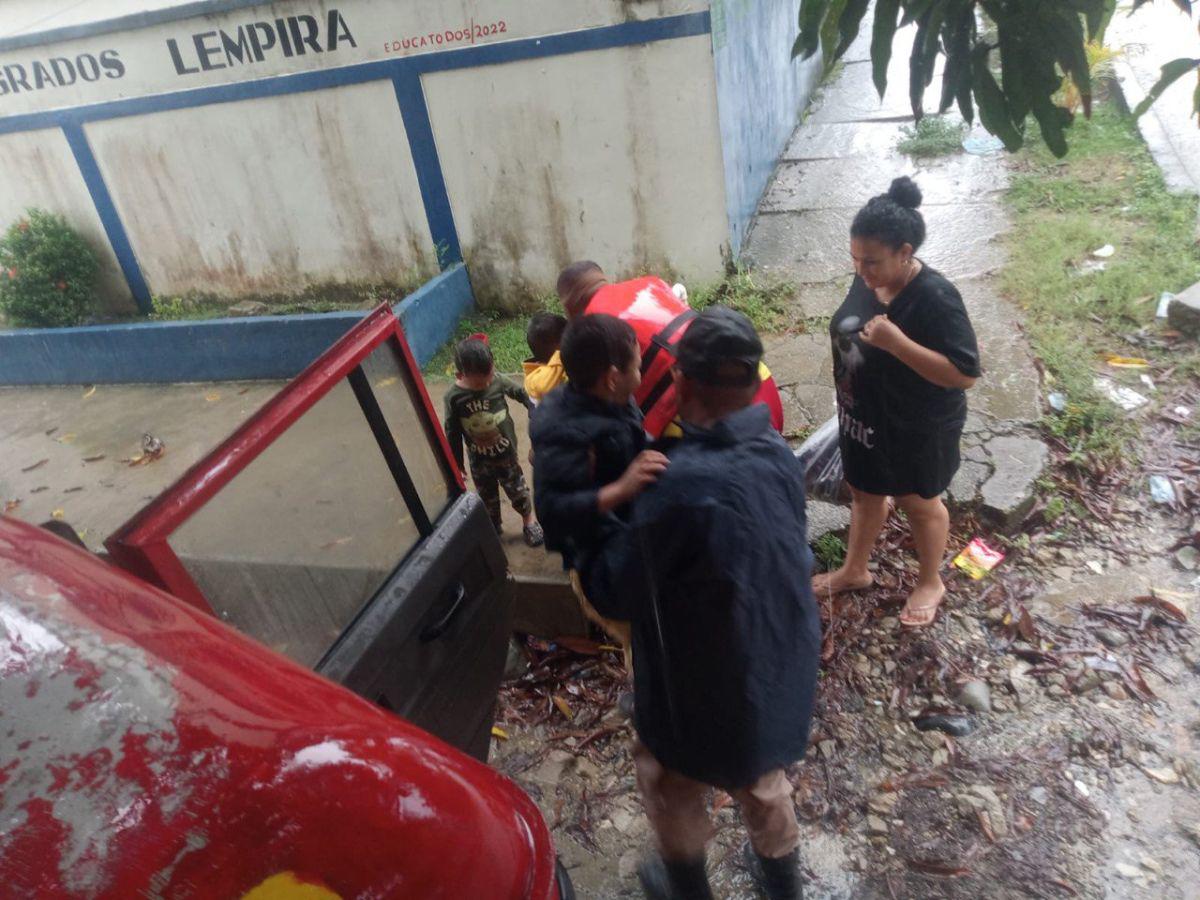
(300, 539)
(291, 526)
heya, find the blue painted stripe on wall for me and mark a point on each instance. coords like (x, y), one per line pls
(602, 38)
(260, 347)
(413, 109)
(113, 226)
(405, 74)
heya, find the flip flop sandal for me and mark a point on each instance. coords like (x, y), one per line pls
(921, 610)
(534, 536)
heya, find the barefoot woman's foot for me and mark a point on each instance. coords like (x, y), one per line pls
(840, 581)
(922, 606)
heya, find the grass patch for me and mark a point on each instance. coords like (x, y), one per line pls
(1107, 191)
(932, 136)
(829, 551)
(332, 296)
(763, 305)
(506, 337)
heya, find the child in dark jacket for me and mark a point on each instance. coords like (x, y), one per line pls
(590, 459)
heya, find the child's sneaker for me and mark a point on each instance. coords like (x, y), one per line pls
(533, 534)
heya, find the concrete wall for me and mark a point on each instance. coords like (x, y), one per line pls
(266, 196)
(761, 94)
(611, 156)
(264, 147)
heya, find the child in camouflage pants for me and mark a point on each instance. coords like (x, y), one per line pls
(476, 413)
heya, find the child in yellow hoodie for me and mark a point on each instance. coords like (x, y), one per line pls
(544, 370)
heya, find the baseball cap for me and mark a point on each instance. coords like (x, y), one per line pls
(720, 348)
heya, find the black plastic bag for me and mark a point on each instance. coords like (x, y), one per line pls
(823, 477)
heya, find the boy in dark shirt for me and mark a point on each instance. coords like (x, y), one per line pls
(590, 459)
(476, 413)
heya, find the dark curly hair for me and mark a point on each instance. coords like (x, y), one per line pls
(591, 344)
(892, 218)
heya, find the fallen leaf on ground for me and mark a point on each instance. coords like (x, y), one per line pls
(1128, 362)
(1175, 607)
(57, 514)
(10, 505)
(50, 431)
(212, 396)
(931, 867)
(563, 707)
(73, 490)
(985, 824)
(498, 732)
(66, 438)
(40, 488)
(36, 465)
(89, 392)
(96, 458)
(387, 382)
(1164, 775)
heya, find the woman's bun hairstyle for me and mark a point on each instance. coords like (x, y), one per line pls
(904, 192)
(892, 218)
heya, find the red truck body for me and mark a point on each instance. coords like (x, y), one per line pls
(148, 750)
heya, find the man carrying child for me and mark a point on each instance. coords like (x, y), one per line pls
(726, 634)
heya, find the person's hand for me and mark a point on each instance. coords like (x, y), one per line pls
(643, 471)
(883, 333)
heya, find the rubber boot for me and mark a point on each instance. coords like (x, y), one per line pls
(778, 878)
(662, 880)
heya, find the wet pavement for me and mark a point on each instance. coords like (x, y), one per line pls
(1157, 34)
(844, 153)
(65, 453)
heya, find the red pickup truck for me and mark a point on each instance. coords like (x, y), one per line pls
(149, 749)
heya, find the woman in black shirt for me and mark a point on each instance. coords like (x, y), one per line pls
(904, 353)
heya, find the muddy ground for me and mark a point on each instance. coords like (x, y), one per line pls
(1080, 774)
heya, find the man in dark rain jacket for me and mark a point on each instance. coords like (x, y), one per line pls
(725, 629)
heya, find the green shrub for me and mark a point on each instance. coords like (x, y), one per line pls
(932, 136)
(47, 272)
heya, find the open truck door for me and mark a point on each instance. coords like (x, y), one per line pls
(359, 554)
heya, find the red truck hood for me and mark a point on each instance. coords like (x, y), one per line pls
(148, 750)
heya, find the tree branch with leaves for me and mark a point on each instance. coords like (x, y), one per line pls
(1005, 59)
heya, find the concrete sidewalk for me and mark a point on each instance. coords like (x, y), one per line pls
(1157, 34)
(841, 155)
(64, 451)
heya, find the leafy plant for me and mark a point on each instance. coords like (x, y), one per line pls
(1100, 60)
(1035, 43)
(830, 551)
(47, 272)
(763, 304)
(932, 136)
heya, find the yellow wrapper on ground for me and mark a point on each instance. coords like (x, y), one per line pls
(977, 559)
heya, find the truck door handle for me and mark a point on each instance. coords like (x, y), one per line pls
(438, 628)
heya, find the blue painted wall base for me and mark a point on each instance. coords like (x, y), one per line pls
(252, 348)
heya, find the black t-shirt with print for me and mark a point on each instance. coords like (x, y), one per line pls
(899, 432)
